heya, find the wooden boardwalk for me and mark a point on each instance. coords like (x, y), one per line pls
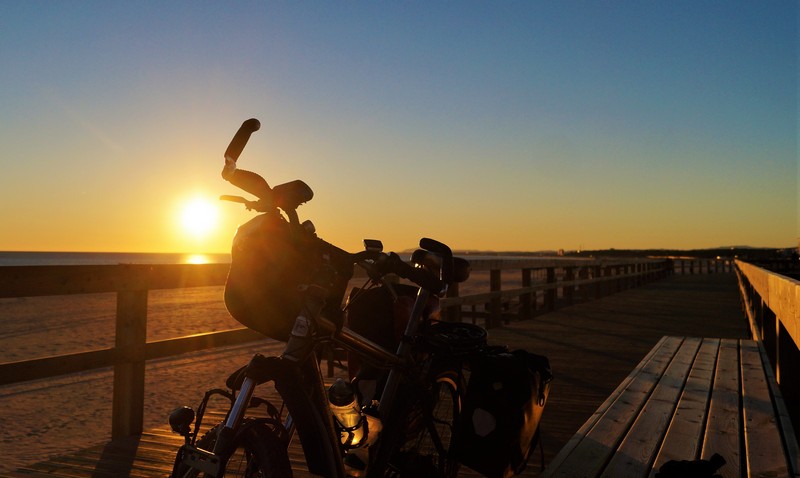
(592, 348)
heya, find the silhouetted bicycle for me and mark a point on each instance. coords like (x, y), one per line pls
(403, 412)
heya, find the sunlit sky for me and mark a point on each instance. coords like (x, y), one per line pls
(510, 125)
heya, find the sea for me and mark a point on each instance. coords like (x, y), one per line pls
(16, 258)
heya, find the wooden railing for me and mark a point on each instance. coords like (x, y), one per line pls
(545, 284)
(131, 283)
(682, 265)
(772, 304)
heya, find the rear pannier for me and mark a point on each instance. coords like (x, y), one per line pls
(270, 259)
(499, 423)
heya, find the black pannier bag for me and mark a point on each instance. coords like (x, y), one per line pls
(269, 260)
(499, 424)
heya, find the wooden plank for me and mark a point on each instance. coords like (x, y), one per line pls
(637, 451)
(722, 429)
(590, 423)
(682, 441)
(595, 449)
(193, 343)
(765, 454)
(34, 369)
(13, 372)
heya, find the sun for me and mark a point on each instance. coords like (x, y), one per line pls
(198, 217)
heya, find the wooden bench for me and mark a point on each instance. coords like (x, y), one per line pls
(688, 399)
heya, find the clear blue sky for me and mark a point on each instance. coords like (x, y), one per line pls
(488, 125)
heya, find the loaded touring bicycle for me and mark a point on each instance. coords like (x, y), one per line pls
(423, 396)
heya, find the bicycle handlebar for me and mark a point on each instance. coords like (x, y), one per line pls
(391, 263)
(245, 180)
(290, 195)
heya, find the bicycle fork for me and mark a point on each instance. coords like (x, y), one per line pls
(259, 370)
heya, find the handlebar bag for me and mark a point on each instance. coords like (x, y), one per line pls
(270, 259)
(499, 424)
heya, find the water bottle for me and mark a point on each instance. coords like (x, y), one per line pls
(346, 410)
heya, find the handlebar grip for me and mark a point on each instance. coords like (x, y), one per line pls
(446, 254)
(421, 277)
(240, 138)
(435, 246)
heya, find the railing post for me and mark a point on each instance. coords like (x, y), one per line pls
(789, 366)
(550, 294)
(769, 336)
(496, 304)
(583, 274)
(525, 309)
(627, 270)
(598, 285)
(127, 413)
(453, 314)
(569, 275)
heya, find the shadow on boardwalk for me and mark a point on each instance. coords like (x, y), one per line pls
(593, 346)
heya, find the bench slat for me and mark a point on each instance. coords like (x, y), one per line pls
(688, 398)
(589, 424)
(765, 453)
(682, 441)
(640, 445)
(722, 430)
(600, 442)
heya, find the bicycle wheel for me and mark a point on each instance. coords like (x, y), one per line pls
(258, 453)
(428, 449)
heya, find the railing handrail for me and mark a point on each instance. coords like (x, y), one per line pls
(131, 283)
(779, 293)
(771, 303)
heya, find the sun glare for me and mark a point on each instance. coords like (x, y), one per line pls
(197, 259)
(198, 217)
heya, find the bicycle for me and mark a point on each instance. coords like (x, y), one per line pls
(400, 416)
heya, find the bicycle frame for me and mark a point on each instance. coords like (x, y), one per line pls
(306, 399)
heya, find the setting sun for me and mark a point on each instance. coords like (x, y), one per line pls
(198, 217)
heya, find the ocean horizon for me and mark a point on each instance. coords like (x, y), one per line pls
(35, 258)
(25, 258)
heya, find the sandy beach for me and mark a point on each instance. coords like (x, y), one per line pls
(54, 416)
